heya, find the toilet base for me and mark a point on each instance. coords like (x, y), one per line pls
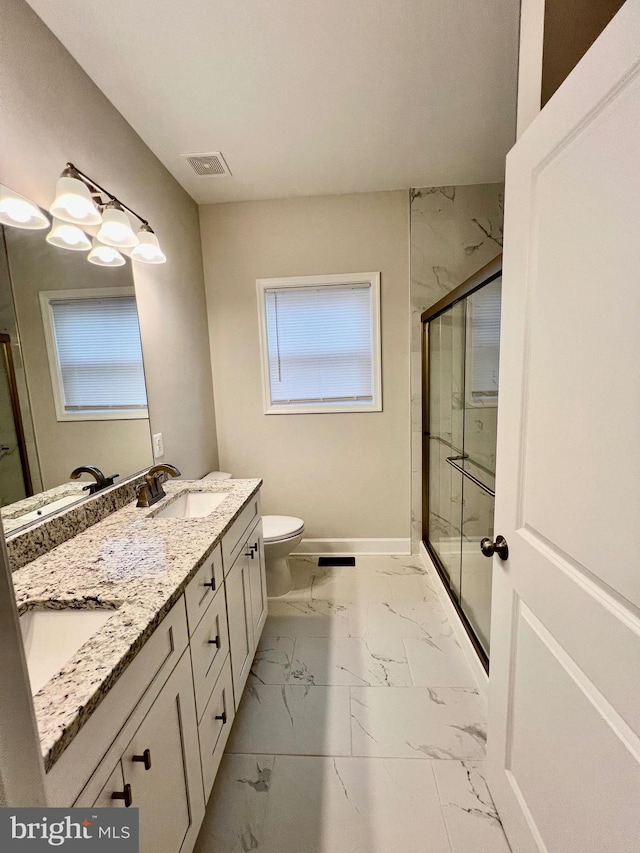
(276, 566)
(278, 577)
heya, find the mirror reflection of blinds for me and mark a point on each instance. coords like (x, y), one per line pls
(485, 341)
(99, 354)
(319, 342)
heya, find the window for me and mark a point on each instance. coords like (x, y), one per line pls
(483, 345)
(320, 343)
(95, 358)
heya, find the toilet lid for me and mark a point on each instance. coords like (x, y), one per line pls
(281, 526)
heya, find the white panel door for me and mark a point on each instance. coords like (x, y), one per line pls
(564, 714)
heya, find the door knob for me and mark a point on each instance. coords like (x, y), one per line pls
(498, 547)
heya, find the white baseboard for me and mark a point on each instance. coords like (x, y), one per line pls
(481, 677)
(349, 547)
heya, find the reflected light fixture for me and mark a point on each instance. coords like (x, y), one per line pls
(148, 249)
(73, 201)
(116, 228)
(104, 256)
(65, 235)
(18, 211)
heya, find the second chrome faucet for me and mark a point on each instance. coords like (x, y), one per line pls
(151, 491)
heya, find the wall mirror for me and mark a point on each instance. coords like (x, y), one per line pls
(72, 390)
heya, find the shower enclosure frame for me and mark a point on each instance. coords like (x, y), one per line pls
(7, 359)
(478, 280)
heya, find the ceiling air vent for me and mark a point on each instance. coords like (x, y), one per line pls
(208, 165)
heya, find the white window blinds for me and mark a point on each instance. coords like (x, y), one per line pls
(98, 353)
(320, 345)
(485, 342)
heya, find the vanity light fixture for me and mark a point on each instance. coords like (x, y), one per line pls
(65, 235)
(116, 229)
(148, 249)
(73, 201)
(78, 195)
(104, 256)
(18, 211)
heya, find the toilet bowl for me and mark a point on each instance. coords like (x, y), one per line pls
(282, 534)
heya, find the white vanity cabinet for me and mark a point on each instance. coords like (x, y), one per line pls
(161, 766)
(257, 582)
(246, 606)
(157, 739)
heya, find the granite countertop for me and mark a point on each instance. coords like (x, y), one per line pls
(134, 564)
(12, 514)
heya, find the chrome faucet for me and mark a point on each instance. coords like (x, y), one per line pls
(151, 491)
(101, 481)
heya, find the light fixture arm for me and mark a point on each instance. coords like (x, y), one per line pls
(74, 172)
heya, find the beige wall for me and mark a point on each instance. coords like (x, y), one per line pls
(346, 475)
(51, 113)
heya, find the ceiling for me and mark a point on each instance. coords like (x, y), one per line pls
(306, 97)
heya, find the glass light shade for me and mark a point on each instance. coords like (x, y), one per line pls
(148, 250)
(73, 203)
(64, 235)
(19, 212)
(104, 256)
(116, 229)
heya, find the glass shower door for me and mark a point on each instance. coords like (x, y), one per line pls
(445, 437)
(14, 471)
(461, 349)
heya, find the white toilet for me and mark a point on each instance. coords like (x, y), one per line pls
(282, 535)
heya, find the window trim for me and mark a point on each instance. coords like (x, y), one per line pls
(369, 278)
(46, 298)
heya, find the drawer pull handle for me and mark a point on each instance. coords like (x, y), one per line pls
(215, 642)
(211, 583)
(145, 759)
(222, 716)
(124, 795)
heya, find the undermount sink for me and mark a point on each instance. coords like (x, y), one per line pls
(47, 509)
(192, 505)
(52, 637)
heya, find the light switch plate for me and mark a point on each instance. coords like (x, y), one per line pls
(158, 445)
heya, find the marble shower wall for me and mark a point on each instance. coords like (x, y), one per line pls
(454, 232)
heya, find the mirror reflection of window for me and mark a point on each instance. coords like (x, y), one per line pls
(95, 357)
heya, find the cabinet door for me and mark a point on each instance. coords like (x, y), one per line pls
(258, 579)
(114, 785)
(162, 765)
(238, 590)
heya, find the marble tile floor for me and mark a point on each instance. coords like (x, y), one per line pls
(361, 729)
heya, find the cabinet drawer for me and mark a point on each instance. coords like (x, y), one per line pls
(202, 587)
(234, 539)
(209, 648)
(215, 726)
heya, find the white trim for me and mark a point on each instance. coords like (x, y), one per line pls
(46, 298)
(370, 278)
(471, 656)
(347, 547)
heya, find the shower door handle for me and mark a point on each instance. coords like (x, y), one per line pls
(498, 547)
